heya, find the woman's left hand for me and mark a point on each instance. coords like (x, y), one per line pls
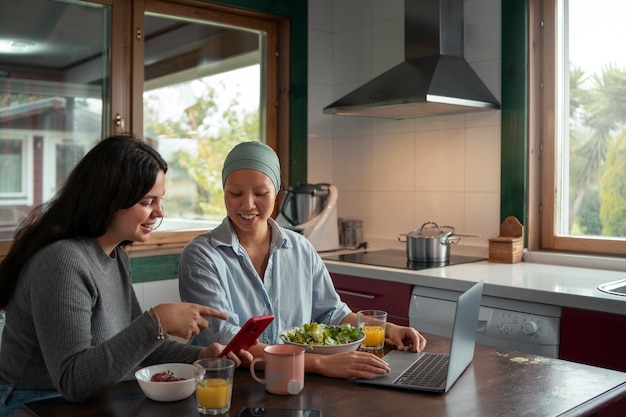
(214, 350)
(405, 338)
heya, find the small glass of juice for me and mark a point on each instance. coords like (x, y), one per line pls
(373, 324)
(214, 385)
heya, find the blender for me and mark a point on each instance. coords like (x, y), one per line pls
(311, 209)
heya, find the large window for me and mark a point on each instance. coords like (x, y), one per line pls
(580, 75)
(54, 75)
(191, 77)
(202, 95)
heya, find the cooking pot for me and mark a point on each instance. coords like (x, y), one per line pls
(430, 243)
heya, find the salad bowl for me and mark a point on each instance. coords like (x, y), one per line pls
(324, 339)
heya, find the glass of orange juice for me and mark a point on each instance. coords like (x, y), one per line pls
(373, 324)
(214, 385)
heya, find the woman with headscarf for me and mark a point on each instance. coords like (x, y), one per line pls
(249, 266)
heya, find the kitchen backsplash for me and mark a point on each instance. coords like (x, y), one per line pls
(397, 174)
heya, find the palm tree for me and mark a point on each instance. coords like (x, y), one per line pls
(603, 112)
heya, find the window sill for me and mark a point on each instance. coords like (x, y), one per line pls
(163, 243)
(610, 263)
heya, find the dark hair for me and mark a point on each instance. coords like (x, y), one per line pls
(115, 174)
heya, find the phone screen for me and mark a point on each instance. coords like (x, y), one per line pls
(278, 412)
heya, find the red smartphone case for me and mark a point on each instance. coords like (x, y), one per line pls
(248, 333)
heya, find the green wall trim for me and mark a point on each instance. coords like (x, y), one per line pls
(298, 120)
(297, 12)
(514, 152)
(154, 268)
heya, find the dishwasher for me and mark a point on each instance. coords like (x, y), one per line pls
(502, 323)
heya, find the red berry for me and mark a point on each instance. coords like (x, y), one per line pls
(165, 377)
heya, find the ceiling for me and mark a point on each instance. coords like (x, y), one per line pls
(62, 41)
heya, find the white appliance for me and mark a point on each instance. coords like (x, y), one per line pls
(311, 209)
(502, 323)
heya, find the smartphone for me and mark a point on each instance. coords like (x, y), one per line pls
(277, 412)
(248, 334)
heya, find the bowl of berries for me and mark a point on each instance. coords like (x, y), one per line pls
(167, 381)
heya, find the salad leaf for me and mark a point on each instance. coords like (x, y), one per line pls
(318, 334)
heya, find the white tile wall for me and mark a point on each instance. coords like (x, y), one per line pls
(396, 175)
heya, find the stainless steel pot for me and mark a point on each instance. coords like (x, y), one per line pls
(430, 243)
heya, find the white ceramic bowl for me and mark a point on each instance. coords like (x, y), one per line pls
(329, 349)
(167, 391)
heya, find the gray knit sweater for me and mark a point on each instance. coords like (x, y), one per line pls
(74, 323)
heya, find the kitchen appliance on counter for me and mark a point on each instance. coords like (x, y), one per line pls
(311, 209)
(351, 233)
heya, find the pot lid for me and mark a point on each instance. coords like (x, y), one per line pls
(431, 230)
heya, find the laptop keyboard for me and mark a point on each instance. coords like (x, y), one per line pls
(428, 371)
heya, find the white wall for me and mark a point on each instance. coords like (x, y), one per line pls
(397, 174)
(153, 293)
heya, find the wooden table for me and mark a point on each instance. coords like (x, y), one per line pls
(497, 383)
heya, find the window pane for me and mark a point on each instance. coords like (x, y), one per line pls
(53, 83)
(592, 107)
(202, 94)
(12, 165)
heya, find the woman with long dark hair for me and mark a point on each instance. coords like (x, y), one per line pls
(73, 323)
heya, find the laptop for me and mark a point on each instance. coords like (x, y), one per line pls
(436, 372)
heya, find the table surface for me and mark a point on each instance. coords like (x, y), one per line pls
(496, 380)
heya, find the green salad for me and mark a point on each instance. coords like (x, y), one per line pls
(322, 334)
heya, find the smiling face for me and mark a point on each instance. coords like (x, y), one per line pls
(136, 222)
(249, 196)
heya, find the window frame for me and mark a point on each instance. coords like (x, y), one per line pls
(286, 111)
(25, 196)
(535, 86)
(276, 104)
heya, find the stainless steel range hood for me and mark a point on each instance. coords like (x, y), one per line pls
(433, 79)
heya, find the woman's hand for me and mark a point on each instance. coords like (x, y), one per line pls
(184, 319)
(346, 365)
(405, 338)
(214, 350)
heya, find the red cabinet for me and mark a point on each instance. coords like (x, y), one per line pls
(364, 293)
(597, 339)
(593, 338)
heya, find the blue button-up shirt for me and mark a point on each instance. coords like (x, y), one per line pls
(215, 270)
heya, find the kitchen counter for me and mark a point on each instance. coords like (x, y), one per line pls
(563, 286)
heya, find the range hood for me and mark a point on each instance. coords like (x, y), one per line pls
(433, 79)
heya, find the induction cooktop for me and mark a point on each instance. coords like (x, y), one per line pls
(396, 258)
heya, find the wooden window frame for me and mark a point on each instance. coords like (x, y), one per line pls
(127, 75)
(542, 157)
(276, 103)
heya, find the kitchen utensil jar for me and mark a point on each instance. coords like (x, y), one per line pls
(352, 233)
(430, 243)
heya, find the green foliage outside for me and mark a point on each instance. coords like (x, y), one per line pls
(597, 176)
(194, 180)
(613, 190)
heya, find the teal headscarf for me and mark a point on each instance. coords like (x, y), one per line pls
(253, 155)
